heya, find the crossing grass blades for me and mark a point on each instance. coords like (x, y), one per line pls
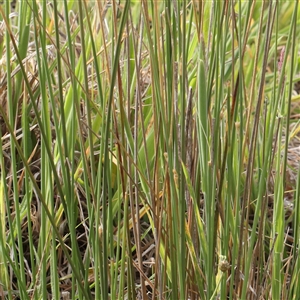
(150, 150)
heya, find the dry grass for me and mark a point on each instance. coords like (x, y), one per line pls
(132, 219)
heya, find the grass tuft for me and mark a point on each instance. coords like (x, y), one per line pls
(149, 150)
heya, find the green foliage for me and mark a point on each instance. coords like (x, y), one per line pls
(149, 149)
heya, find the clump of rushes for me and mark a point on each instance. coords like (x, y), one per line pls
(149, 150)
